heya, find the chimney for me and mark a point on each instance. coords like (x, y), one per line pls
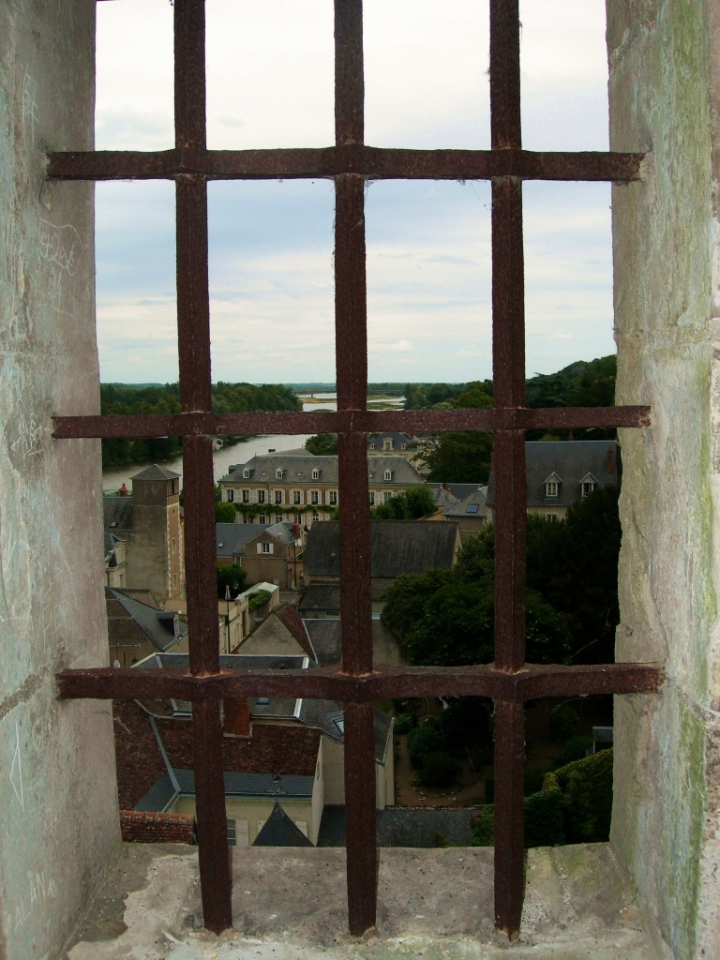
(123, 491)
(236, 715)
(611, 461)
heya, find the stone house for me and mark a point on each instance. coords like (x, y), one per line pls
(470, 513)
(399, 444)
(303, 488)
(150, 523)
(115, 561)
(560, 473)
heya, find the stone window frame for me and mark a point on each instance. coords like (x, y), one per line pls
(509, 681)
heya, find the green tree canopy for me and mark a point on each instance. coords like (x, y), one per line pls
(225, 513)
(233, 576)
(409, 505)
(322, 444)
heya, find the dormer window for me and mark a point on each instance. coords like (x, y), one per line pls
(279, 474)
(587, 485)
(246, 473)
(387, 443)
(552, 485)
(315, 473)
(388, 474)
(372, 446)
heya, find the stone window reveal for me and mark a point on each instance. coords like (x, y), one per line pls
(509, 681)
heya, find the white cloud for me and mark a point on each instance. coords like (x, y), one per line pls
(270, 79)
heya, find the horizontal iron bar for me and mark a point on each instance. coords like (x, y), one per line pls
(375, 163)
(329, 683)
(198, 424)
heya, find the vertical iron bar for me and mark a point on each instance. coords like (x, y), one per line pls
(505, 74)
(349, 73)
(351, 366)
(508, 293)
(193, 310)
(362, 862)
(509, 845)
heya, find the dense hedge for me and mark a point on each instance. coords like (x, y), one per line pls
(574, 806)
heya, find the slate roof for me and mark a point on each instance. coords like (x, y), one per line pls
(572, 461)
(155, 472)
(299, 467)
(118, 514)
(320, 596)
(110, 540)
(253, 784)
(397, 438)
(473, 506)
(163, 628)
(231, 537)
(326, 636)
(397, 547)
(280, 831)
(458, 491)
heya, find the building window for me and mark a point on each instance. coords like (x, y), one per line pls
(265, 548)
(246, 496)
(278, 518)
(278, 474)
(551, 488)
(174, 581)
(262, 519)
(403, 446)
(315, 516)
(372, 446)
(315, 473)
(297, 497)
(372, 498)
(333, 498)
(278, 496)
(261, 496)
(387, 444)
(387, 495)
(246, 473)
(388, 474)
(230, 496)
(587, 487)
(314, 497)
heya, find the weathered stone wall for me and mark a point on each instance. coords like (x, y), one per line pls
(665, 237)
(59, 825)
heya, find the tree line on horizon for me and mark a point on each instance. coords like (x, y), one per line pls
(131, 399)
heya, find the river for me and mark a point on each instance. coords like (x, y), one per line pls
(115, 477)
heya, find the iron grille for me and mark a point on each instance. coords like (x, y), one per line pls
(509, 681)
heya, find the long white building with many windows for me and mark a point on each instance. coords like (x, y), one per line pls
(296, 485)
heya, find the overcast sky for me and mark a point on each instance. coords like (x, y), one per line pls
(270, 83)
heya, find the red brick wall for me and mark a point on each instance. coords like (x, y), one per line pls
(140, 827)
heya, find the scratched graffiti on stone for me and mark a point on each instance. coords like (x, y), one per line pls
(60, 245)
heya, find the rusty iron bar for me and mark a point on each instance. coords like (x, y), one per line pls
(351, 372)
(362, 859)
(505, 131)
(509, 828)
(375, 163)
(193, 318)
(533, 682)
(508, 306)
(206, 424)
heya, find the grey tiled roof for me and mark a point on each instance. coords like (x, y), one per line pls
(571, 461)
(252, 784)
(397, 547)
(163, 628)
(474, 505)
(155, 472)
(326, 637)
(397, 438)
(299, 467)
(325, 714)
(118, 514)
(457, 490)
(232, 537)
(320, 596)
(280, 831)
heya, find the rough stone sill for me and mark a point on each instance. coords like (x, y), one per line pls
(290, 904)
